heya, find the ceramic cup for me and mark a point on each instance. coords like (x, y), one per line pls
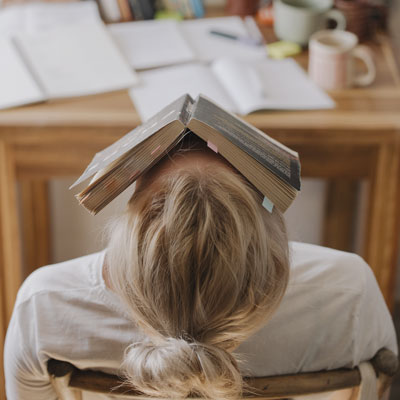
(297, 20)
(332, 56)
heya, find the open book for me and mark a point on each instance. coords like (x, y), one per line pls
(35, 17)
(157, 43)
(270, 166)
(239, 86)
(75, 60)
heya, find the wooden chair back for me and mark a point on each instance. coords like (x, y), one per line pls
(70, 381)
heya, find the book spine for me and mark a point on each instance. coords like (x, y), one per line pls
(125, 10)
(198, 8)
(183, 7)
(169, 5)
(148, 8)
(110, 10)
(136, 9)
(186, 8)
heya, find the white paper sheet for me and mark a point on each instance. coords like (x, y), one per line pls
(12, 20)
(76, 60)
(160, 87)
(36, 17)
(208, 47)
(43, 16)
(17, 85)
(270, 84)
(153, 43)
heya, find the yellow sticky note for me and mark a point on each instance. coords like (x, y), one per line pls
(283, 49)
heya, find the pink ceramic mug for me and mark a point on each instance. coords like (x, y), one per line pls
(332, 55)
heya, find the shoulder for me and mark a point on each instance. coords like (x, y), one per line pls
(324, 319)
(334, 269)
(73, 274)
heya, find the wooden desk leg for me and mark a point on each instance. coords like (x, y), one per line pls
(36, 224)
(10, 248)
(383, 226)
(340, 214)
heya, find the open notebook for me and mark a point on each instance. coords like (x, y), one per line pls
(149, 44)
(75, 60)
(39, 16)
(238, 86)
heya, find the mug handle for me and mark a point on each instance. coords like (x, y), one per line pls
(364, 54)
(337, 16)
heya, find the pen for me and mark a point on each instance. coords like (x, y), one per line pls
(243, 39)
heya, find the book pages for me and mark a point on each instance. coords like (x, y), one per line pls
(279, 159)
(153, 43)
(270, 84)
(174, 111)
(159, 87)
(17, 84)
(76, 60)
(273, 169)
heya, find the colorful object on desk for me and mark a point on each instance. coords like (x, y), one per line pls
(241, 7)
(163, 14)
(296, 23)
(265, 15)
(364, 17)
(186, 8)
(242, 39)
(332, 55)
(283, 49)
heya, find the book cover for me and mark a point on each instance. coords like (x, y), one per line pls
(270, 166)
(277, 158)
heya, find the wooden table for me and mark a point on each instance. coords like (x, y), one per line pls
(360, 139)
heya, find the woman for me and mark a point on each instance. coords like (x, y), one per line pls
(193, 269)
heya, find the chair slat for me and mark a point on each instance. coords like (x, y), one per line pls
(385, 363)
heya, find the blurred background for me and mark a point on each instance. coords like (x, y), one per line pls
(74, 232)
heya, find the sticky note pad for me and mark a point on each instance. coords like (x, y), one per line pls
(212, 146)
(267, 204)
(283, 49)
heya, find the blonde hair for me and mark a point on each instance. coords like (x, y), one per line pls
(201, 265)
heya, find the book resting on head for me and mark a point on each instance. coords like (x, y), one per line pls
(271, 167)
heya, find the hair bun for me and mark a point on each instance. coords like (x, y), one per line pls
(176, 368)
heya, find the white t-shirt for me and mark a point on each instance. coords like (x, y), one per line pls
(332, 315)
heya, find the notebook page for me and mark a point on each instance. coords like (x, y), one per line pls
(12, 20)
(16, 82)
(152, 43)
(160, 87)
(240, 80)
(36, 17)
(270, 84)
(76, 60)
(43, 16)
(208, 47)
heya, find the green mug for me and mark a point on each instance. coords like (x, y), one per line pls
(297, 20)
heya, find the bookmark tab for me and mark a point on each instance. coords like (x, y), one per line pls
(267, 204)
(212, 146)
(156, 149)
